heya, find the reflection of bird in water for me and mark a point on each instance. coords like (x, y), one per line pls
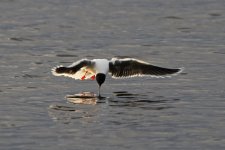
(82, 98)
(118, 68)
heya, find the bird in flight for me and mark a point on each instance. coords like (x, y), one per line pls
(97, 69)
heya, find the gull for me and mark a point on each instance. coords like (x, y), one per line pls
(97, 69)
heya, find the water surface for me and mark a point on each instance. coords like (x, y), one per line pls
(184, 112)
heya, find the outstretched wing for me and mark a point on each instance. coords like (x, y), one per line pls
(129, 67)
(78, 70)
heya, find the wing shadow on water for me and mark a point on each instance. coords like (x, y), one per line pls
(125, 99)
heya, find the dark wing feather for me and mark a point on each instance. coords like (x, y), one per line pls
(72, 69)
(133, 67)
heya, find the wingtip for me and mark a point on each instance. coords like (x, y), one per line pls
(180, 70)
(54, 70)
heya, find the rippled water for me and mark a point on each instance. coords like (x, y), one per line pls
(183, 112)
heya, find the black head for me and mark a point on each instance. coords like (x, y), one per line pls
(100, 78)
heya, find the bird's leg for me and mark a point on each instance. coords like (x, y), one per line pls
(99, 94)
(84, 76)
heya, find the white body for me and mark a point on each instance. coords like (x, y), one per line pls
(101, 66)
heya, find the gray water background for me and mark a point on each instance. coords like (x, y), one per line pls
(184, 112)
